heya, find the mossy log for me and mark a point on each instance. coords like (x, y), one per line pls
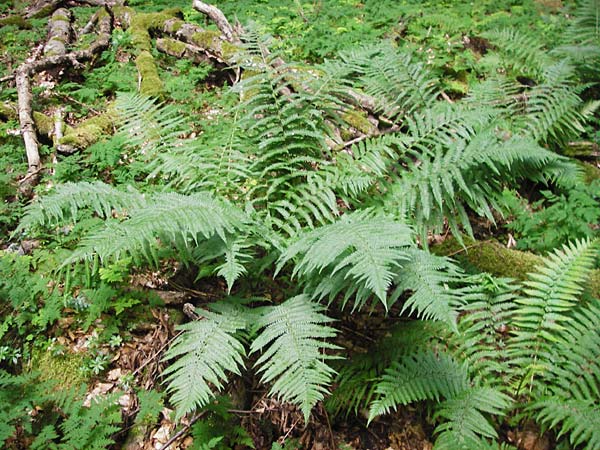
(495, 259)
(59, 32)
(17, 21)
(87, 132)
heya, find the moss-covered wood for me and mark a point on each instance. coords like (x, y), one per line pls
(494, 258)
(87, 132)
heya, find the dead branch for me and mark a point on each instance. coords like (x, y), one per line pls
(217, 16)
(59, 34)
(42, 8)
(24, 95)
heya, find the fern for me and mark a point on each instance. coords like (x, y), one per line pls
(429, 278)
(88, 427)
(421, 376)
(580, 419)
(204, 351)
(69, 198)
(360, 247)
(166, 219)
(466, 426)
(148, 127)
(357, 376)
(551, 293)
(399, 84)
(293, 341)
(485, 321)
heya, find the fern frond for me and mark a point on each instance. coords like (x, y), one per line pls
(465, 424)
(421, 376)
(69, 198)
(364, 250)
(147, 126)
(485, 320)
(204, 351)
(399, 83)
(166, 219)
(87, 427)
(580, 419)
(356, 379)
(553, 107)
(293, 340)
(521, 53)
(550, 294)
(575, 369)
(428, 278)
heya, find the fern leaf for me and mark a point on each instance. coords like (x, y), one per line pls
(428, 278)
(580, 419)
(204, 351)
(69, 198)
(293, 341)
(167, 219)
(365, 249)
(422, 376)
(550, 295)
(147, 126)
(464, 415)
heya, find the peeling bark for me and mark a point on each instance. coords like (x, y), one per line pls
(24, 98)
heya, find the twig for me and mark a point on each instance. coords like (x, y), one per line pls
(181, 432)
(152, 358)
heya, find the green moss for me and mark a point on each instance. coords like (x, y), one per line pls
(151, 83)
(89, 131)
(17, 21)
(43, 123)
(60, 18)
(359, 121)
(62, 369)
(207, 39)
(228, 50)
(590, 172)
(7, 111)
(492, 257)
(141, 24)
(173, 46)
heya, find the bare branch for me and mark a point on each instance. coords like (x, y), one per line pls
(217, 16)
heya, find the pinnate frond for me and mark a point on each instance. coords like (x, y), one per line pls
(364, 248)
(203, 354)
(293, 342)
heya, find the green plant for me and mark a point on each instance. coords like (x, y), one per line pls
(556, 218)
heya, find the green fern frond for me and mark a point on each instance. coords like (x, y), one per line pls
(147, 126)
(167, 219)
(69, 198)
(553, 107)
(204, 351)
(421, 376)
(484, 324)
(575, 369)
(357, 376)
(464, 414)
(87, 427)
(550, 295)
(580, 419)
(521, 53)
(399, 84)
(293, 342)
(433, 283)
(363, 249)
